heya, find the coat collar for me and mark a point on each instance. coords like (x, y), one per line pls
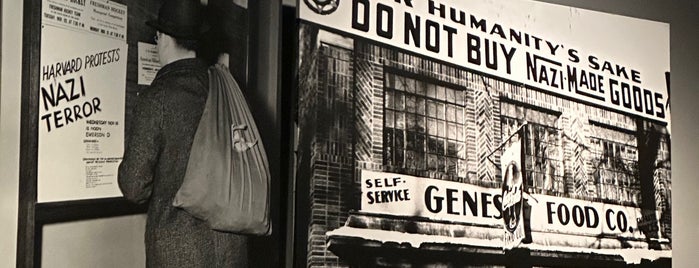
(181, 65)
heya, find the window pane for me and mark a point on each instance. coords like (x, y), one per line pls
(411, 122)
(452, 131)
(409, 85)
(400, 120)
(462, 171)
(432, 126)
(399, 141)
(389, 81)
(441, 95)
(388, 155)
(420, 161)
(410, 104)
(432, 162)
(389, 99)
(431, 91)
(441, 131)
(411, 141)
(441, 164)
(411, 159)
(388, 119)
(399, 83)
(420, 106)
(388, 137)
(452, 149)
(399, 101)
(461, 150)
(433, 145)
(450, 95)
(431, 109)
(421, 124)
(419, 142)
(451, 166)
(398, 160)
(451, 113)
(440, 111)
(441, 147)
(460, 97)
(420, 88)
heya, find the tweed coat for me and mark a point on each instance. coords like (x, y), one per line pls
(156, 152)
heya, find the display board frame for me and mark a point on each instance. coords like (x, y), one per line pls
(361, 59)
(33, 215)
(261, 88)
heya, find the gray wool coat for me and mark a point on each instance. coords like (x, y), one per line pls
(156, 152)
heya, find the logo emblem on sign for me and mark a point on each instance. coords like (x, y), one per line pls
(512, 196)
(512, 191)
(322, 7)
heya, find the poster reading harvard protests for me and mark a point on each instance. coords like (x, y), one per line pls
(81, 99)
(481, 133)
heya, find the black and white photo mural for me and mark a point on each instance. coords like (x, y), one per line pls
(481, 133)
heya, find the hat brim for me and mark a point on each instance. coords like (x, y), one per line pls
(195, 34)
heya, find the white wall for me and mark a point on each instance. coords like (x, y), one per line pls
(9, 128)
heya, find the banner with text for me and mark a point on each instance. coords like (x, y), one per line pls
(403, 195)
(609, 60)
(81, 100)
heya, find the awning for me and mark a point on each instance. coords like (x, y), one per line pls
(362, 232)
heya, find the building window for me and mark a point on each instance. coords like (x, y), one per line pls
(543, 161)
(614, 164)
(424, 128)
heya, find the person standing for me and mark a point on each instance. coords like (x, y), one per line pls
(158, 145)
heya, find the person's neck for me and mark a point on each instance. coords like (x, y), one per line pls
(180, 55)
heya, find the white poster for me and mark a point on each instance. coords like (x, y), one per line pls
(100, 17)
(148, 63)
(81, 101)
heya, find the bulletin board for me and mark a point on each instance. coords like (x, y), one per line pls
(84, 64)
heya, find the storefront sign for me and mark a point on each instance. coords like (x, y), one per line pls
(585, 55)
(403, 195)
(81, 99)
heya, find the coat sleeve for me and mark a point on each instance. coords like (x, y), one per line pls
(141, 150)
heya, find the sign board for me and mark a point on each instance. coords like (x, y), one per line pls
(81, 99)
(581, 55)
(403, 195)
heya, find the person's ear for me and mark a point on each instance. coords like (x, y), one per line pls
(165, 40)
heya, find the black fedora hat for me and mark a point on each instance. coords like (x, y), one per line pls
(180, 19)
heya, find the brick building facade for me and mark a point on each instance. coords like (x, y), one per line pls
(367, 107)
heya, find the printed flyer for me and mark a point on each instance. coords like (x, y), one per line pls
(81, 99)
(436, 133)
